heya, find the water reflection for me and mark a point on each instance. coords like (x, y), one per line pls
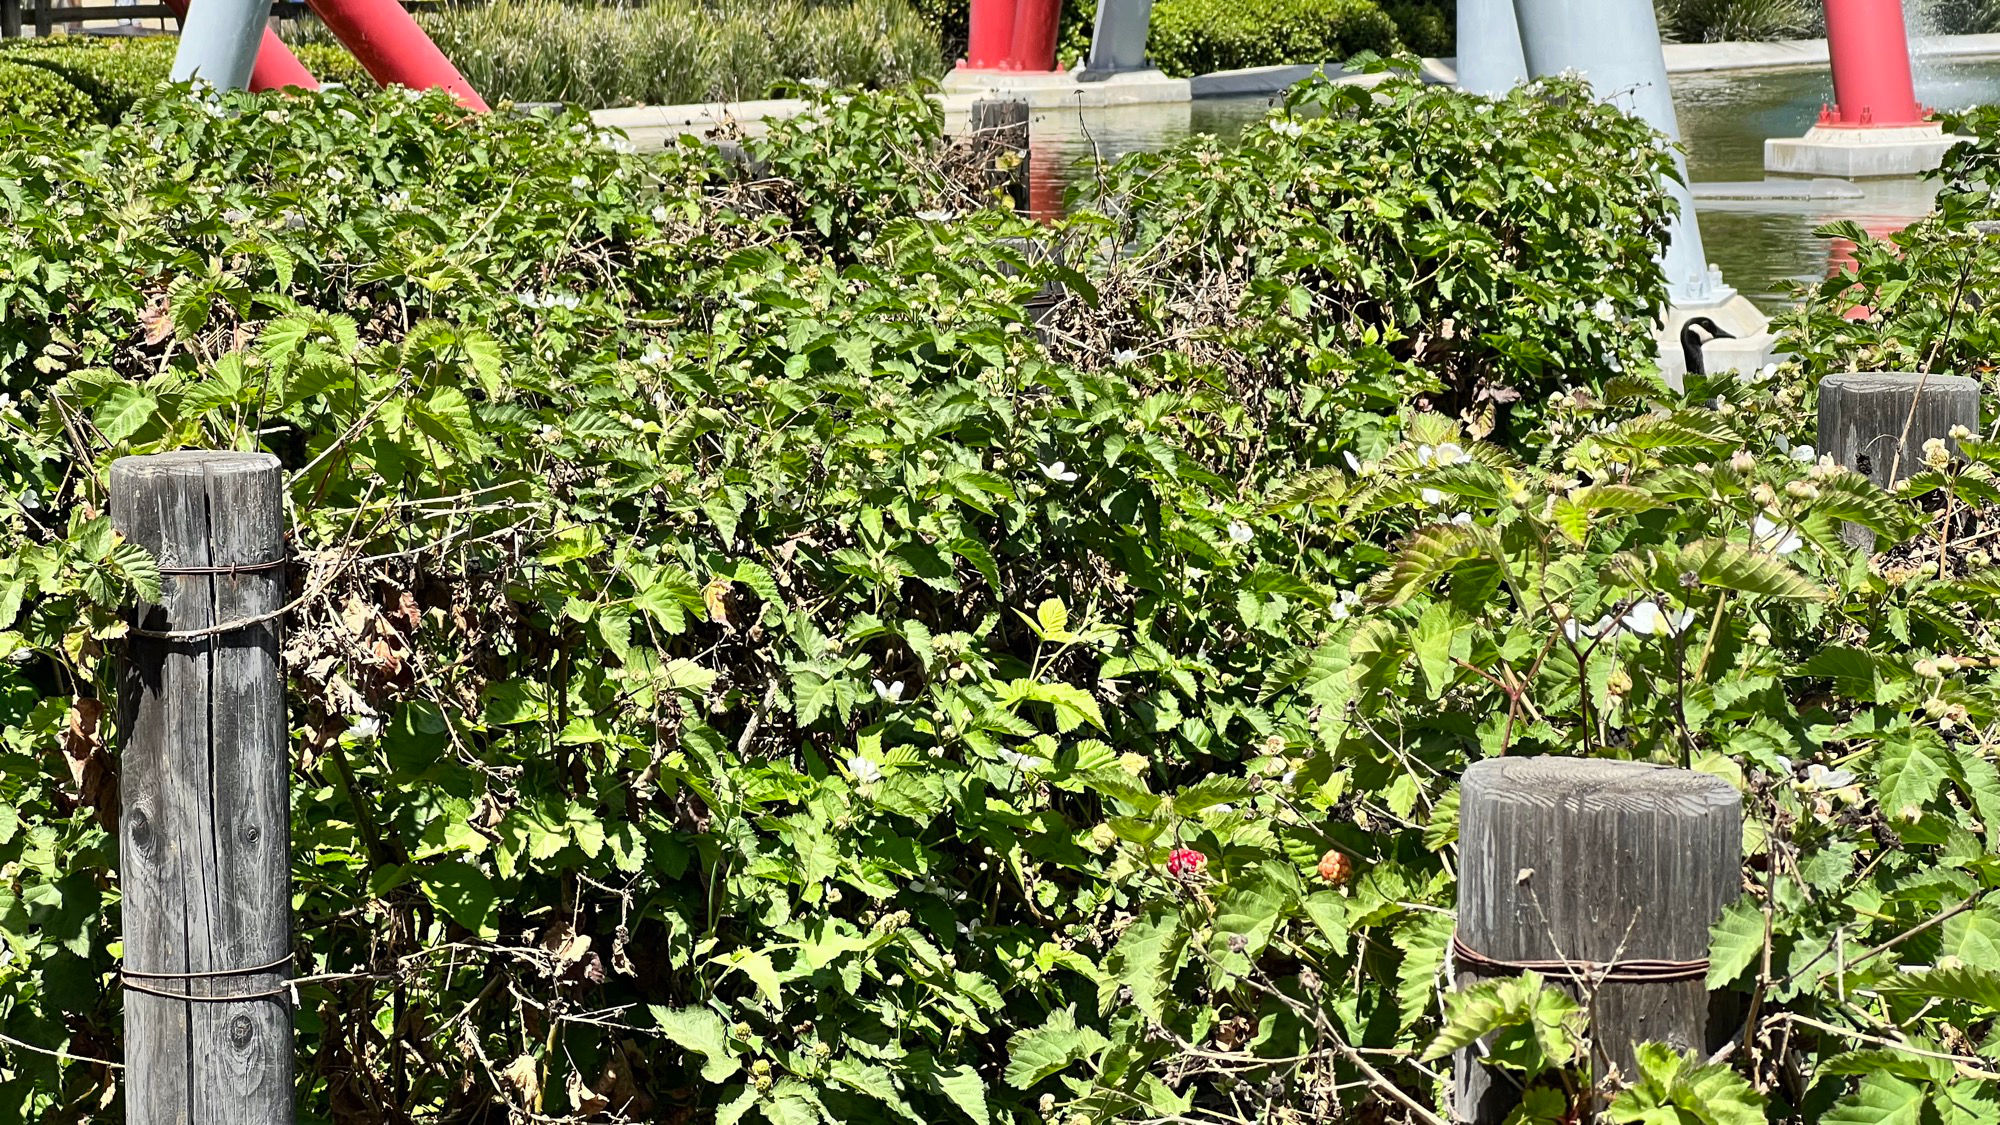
(1763, 246)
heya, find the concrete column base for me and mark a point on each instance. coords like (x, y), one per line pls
(1062, 90)
(1904, 150)
(1751, 349)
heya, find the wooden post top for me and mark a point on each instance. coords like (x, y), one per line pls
(1898, 382)
(192, 462)
(1596, 783)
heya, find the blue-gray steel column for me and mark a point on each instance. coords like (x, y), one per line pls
(1490, 61)
(219, 41)
(1616, 45)
(1118, 38)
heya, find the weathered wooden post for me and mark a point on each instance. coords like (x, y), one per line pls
(1603, 876)
(1000, 135)
(1864, 416)
(10, 19)
(1876, 423)
(203, 841)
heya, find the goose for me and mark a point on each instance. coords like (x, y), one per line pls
(1691, 342)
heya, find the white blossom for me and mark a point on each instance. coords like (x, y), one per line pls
(1431, 496)
(1604, 309)
(1239, 532)
(1288, 128)
(892, 692)
(1774, 537)
(1462, 518)
(1820, 777)
(1450, 453)
(1124, 356)
(1647, 618)
(864, 771)
(1059, 471)
(1026, 763)
(1353, 462)
(1602, 627)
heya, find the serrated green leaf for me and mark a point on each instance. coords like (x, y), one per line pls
(1036, 1053)
(1735, 942)
(702, 1032)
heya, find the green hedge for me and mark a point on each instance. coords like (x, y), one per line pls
(113, 74)
(27, 91)
(1197, 36)
(1427, 27)
(674, 51)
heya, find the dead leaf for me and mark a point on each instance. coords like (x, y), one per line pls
(157, 320)
(617, 1084)
(524, 1078)
(93, 782)
(582, 1098)
(716, 596)
(565, 944)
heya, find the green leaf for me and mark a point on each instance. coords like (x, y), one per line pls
(1910, 766)
(1977, 985)
(1036, 1053)
(1979, 779)
(1531, 1027)
(1672, 1089)
(463, 892)
(1053, 617)
(874, 1081)
(1423, 941)
(1880, 1099)
(124, 411)
(963, 1086)
(1720, 565)
(701, 1032)
(1147, 956)
(758, 966)
(1431, 554)
(1735, 942)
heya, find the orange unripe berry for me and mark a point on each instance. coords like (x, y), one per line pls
(1335, 867)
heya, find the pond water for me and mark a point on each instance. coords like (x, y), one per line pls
(1762, 246)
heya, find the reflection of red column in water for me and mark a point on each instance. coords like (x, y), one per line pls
(276, 68)
(1840, 255)
(1034, 35)
(990, 37)
(390, 45)
(1871, 65)
(1045, 184)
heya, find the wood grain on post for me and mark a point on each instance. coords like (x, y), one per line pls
(1582, 859)
(1863, 416)
(204, 836)
(1000, 130)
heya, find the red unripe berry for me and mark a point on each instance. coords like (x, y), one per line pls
(1184, 862)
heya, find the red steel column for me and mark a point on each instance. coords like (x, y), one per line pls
(1035, 35)
(391, 46)
(1871, 64)
(276, 68)
(990, 37)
